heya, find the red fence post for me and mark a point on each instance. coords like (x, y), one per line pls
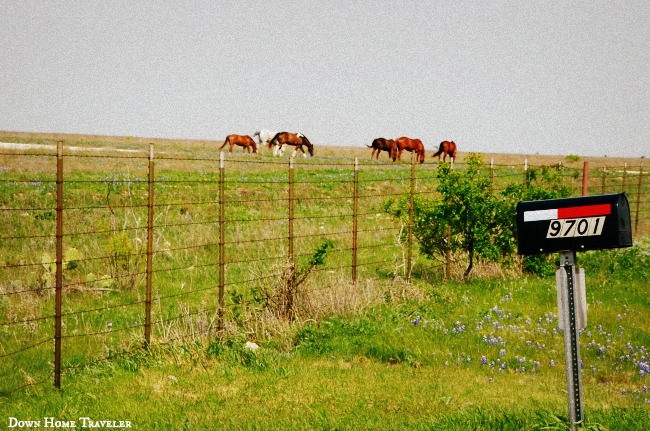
(59, 265)
(585, 178)
(147, 324)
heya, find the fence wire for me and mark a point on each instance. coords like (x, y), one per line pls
(148, 243)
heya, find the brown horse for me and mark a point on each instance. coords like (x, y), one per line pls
(412, 145)
(244, 141)
(382, 144)
(298, 140)
(447, 148)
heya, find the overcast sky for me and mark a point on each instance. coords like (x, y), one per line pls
(548, 77)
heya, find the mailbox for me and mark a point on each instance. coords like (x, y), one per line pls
(573, 224)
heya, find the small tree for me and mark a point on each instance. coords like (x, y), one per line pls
(470, 218)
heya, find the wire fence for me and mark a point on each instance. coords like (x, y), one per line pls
(108, 253)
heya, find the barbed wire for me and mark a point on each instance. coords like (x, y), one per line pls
(307, 195)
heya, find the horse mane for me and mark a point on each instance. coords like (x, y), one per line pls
(275, 138)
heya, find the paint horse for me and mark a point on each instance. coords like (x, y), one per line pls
(381, 144)
(446, 148)
(244, 141)
(265, 136)
(412, 145)
(297, 140)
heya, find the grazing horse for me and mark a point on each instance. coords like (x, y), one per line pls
(447, 148)
(244, 141)
(265, 136)
(298, 140)
(412, 145)
(382, 144)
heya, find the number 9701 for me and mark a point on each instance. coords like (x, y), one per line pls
(567, 228)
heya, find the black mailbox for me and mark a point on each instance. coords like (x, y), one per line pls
(574, 224)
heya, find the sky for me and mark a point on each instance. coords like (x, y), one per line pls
(530, 77)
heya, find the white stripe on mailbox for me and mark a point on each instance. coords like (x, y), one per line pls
(539, 215)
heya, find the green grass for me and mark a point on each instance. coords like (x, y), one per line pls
(377, 369)
(483, 355)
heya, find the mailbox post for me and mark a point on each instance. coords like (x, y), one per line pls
(567, 226)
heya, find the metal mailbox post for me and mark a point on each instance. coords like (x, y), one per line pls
(567, 226)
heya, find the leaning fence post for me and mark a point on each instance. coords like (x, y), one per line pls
(59, 265)
(147, 324)
(355, 221)
(222, 263)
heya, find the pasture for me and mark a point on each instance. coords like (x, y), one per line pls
(405, 347)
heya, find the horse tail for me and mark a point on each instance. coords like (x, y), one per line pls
(441, 148)
(225, 142)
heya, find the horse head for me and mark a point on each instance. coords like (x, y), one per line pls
(309, 145)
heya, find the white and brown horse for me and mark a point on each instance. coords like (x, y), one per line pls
(265, 136)
(297, 140)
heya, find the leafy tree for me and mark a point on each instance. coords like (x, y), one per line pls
(469, 217)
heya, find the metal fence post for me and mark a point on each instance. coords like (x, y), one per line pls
(147, 324)
(222, 263)
(355, 221)
(59, 265)
(291, 279)
(409, 261)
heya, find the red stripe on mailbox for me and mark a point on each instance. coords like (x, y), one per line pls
(584, 211)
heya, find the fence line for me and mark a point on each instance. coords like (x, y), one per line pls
(124, 258)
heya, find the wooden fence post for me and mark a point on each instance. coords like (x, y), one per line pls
(448, 255)
(526, 177)
(291, 279)
(222, 262)
(492, 174)
(355, 221)
(604, 180)
(59, 265)
(409, 261)
(147, 324)
(638, 201)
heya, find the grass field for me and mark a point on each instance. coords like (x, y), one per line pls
(385, 354)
